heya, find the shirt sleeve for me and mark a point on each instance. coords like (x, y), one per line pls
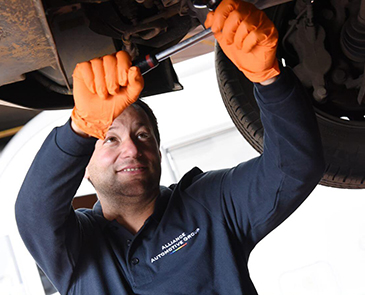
(47, 223)
(256, 196)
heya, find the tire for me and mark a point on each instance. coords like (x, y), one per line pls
(343, 141)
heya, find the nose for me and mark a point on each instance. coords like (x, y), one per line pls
(130, 149)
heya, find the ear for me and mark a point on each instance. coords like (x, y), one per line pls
(159, 152)
(87, 175)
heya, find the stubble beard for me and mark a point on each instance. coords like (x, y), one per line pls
(117, 192)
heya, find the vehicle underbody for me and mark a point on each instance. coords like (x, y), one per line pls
(323, 41)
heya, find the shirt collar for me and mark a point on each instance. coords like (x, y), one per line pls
(161, 203)
(160, 207)
(98, 214)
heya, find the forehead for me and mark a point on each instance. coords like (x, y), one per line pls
(132, 116)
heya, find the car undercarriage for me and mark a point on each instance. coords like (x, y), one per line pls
(323, 41)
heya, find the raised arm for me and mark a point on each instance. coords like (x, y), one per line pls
(292, 164)
(52, 231)
(46, 221)
(258, 195)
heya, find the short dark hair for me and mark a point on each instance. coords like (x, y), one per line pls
(151, 116)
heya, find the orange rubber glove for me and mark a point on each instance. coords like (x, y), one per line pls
(103, 88)
(248, 38)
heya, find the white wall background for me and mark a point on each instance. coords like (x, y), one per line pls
(320, 249)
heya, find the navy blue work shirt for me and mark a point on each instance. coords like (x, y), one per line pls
(201, 233)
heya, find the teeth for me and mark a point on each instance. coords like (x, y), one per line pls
(131, 169)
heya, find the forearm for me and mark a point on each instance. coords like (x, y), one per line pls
(292, 162)
(78, 130)
(291, 132)
(269, 81)
(57, 170)
(44, 214)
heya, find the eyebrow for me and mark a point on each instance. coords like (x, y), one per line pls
(111, 128)
(138, 124)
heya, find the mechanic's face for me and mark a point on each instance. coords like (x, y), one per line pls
(128, 161)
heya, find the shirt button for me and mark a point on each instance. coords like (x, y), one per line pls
(129, 242)
(135, 260)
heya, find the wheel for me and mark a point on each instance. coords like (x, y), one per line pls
(343, 140)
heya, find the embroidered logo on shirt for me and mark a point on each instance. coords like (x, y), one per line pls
(175, 245)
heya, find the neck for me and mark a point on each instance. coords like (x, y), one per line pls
(131, 212)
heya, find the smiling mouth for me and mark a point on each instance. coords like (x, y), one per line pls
(133, 169)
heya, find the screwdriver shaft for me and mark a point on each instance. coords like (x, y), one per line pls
(151, 61)
(183, 45)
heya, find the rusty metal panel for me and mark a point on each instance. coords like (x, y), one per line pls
(26, 43)
(75, 41)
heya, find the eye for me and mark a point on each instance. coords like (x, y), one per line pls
(143, 135)
(110, 139)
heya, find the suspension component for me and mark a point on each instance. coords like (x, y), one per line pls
(353, 42)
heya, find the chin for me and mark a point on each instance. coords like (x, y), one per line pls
(139, 188)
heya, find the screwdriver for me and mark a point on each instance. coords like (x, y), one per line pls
(150, 61)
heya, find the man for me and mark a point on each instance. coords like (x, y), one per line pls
(194, 237)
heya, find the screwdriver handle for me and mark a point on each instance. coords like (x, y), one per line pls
(146, 63)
